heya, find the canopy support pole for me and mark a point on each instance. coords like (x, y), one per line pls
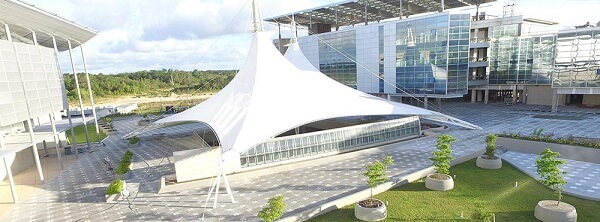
(215, 186)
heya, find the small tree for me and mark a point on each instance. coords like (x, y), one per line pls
(550, 175)
(274, 211)
(443, 156)
(490, 145)
(376, 174)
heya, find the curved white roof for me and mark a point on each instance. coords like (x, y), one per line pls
(270, 95)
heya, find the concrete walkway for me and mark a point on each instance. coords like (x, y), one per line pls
(77, 193)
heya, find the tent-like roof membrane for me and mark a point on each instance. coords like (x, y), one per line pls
(351, 12)
(23, 17)
(269, 96)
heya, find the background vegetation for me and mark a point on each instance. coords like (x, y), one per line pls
(149, 83)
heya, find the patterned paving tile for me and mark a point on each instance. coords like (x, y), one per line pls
(77, 194)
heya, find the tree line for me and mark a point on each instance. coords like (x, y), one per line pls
(149, 83)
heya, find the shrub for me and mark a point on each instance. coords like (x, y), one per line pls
(441, 158)
(134, 140)
(274, 211)
(550, 175)
(490, 145)
(568, 141)
(123, 167)
(376, 174)
(115, 187)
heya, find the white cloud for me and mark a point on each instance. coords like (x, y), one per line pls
(139, 34)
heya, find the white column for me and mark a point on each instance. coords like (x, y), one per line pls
(514, 94)
(36, 155)
(486, 98)
(73, 146)
(554, 100)
(89, 85)
(442, 5)
(87, 135)
(473, 95)
(425, 101)
(11, 182)
(51, 115)
(400, 11)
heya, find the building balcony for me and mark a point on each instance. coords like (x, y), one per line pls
(479, 62)
(478, 81)
(479, 42)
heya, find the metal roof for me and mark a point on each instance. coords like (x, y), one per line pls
(22, 17)
(351, 12)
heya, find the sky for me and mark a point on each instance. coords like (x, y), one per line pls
(136, 35)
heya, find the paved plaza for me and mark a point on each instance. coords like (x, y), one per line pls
(77, 193)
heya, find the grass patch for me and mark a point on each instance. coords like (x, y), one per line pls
(80, 134)
(476, 192)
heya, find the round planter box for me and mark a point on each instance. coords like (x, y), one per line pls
(491, 164)
(370, 214)
(437, 184)
(548, 211)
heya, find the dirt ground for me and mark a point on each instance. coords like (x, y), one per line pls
(143, 99)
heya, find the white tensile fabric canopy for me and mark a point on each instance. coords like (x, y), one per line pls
(270, 95)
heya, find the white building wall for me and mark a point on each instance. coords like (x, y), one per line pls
(389, 41)
(39, 72)
(367, 59)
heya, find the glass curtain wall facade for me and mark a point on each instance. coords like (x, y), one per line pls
(427, 55)
(577, 61)
(337, 54)
(520, 60)
(432, 55)
(334, 140)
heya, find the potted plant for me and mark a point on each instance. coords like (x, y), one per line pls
(123, 171)
(134, 142)
(489, 160)
(440, 180)
(113, 192)
(274, 211)
(371, 209)
(550, 175)
(145, 120)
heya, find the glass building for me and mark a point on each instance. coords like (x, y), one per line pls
(577, 63)
(425, 55)
(334, 140)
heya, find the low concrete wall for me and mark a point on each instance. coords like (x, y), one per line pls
(18, 162)
(566, 151)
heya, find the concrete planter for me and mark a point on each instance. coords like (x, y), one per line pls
(134, 145)
(548, 211)
(370, 214)
(112, 132)
(579, 153)
(114, 198)
(126, 175)
(437, 184)
(144, 122)
(491, 164)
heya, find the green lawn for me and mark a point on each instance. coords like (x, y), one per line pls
(474, 189)
(80, 134)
